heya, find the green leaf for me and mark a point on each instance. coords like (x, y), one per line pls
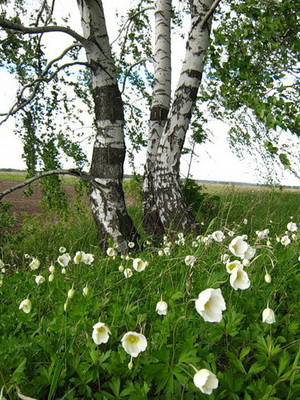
(285, 161)
(256, 368)
(244, 352)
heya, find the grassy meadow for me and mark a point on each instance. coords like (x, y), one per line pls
(214, 315)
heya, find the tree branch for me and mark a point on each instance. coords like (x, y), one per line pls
(73, 172)
(17, 107)
(42, 29)
(209, 13)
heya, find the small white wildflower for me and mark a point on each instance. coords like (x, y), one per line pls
(206, 381)
(111, 252)
(100, 333)
(88, 259)
(127, 272)
(131, 245)
(238, 246)
(210, 304)
(25, 306)
(121, 268)
(62, 249)
(167, 251)
(35, 264)
(39, 279)
(218, 236)
(285, 240)
(133, 343)
(292, 227)
(262, 234)
(161, 308)
(64, 259)
(139, 265)
(268, 316)
(51, 277)
(190, 260)
(239, 279)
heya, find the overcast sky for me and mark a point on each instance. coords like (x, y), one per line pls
(215, 161)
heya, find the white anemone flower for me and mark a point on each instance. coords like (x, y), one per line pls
(139, 265)
(161, 308)
(239, 278)
(79, 256)
(268, 316)
(206, 381)
(238, 246)
(111, 252)
(210, 304)
(292, 227)
(190, 260)
(88, 259)
(127, 272)
(100, 333)
(167, 251)
(25, 306)
(249, 253)
(133, 343)
(218, 236)
(39, 279)
(285, 240)
(62, 249)
(64, 259)
(51, 277)
(262, 234)
(230, 266)
(35, 264)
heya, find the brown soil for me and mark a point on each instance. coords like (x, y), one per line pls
(21, 203)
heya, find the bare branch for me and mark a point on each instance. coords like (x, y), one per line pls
(42, 29)
(129, 20)
(73, 172)
(129, 70)
(36, 83)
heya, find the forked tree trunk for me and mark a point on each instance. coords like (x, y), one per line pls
(159, 111)
(173, 211)
(108, 204)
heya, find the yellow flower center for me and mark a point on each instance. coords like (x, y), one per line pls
(207, 305)
(100, 330)
(132, 339)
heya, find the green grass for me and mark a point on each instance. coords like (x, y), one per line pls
(49, 353)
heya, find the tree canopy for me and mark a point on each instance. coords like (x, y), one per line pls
(249, 60)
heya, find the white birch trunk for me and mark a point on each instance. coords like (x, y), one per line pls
(108, 203)
(159, 111)
(172, 207)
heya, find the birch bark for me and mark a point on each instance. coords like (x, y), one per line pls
(159, 111)
(108, 204)
(173, 211)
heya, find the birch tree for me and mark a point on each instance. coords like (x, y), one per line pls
(41, 96)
